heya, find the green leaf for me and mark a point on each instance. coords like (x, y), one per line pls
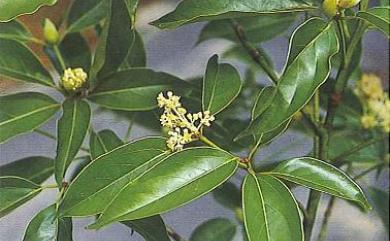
(19, 62)
(379, 17)
(10, 9)
(320, 176)
(46, 227)
(39, 168)
(380, 201)
(75, 51)
(132, 6)
(314, 42)
(190, 11)
(24, 112)
(15, 191)
(214, 230)
(86, 13)
(172, 182)
(228, 195)
(270, 210)
(221, 85)
(136, 57)
(114, 42)
(257, 29)
(14, 30)
(72, 128)
(102, 142)
(134, 89)
(151, 229)
(98, 183)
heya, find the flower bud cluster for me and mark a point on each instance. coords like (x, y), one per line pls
(73, 79)
(183, 127)
(332, 7)
(376, 103)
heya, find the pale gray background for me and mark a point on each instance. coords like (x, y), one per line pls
(174, 52)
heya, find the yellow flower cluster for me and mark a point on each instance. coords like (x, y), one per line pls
(332, 7)
(73, 79)
(376, 103)
(183, 127)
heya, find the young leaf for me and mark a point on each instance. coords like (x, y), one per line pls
(214, 230)
(270, 210)
(170, 183)
(10, 9)
(72, 128)
(380, 201)
(97, 184)
(114, 42)
(14, 30)
(15, 191)
(221, 85)
(134, 89)
(151, 229)
(258, 29)
(311, 48)
(39, 168)
(379, 17)
(24, 112)
(45, 226)
(320, 176)
(191, 11)
(102, 142)
(86, 13)
(18, 62)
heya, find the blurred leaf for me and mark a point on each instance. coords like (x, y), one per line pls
(72, 129)
(17, 61)
(380, 201)
(320, 176)
(314, 42)
(136, 57)
(379, 17)
(270, 210)
(257, 29)
(10, 9)
(46, 227)
(24, 112)
(174, 181)
(36, 168)
(103, 142)
(228, 195)
(86, 196)
(221, 85)
(14, 30)
(86, 13)
(191, 11)
(134, 89)
(15, 191)
(151, 229)
(214, 230)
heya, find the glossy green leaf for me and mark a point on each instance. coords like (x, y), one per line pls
(24, 112)
(136, 56)
(151, 229)
(221, 85)
(114, 42)
(172, 182)
(228, 195)
(380, 200)
(102, 142)
(270, 210)
(15, 191)
(45, 226)
(10, 9)
(320, 176)
(86, 13)
(14, 30)
(214, 230)
(257, 29)
(36, 168)
(190, 11)
(311, 48)
(134, 89)
(86, 196)
(72, 128)
(17, 61)
(379, 17)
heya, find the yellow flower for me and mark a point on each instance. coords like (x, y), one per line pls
(330, 7)
(348, 3)
(183, 127)
(370, 86)
(73, 79)
(368, 121)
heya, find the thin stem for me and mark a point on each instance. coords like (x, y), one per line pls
(324, 229)
(255, 149)
(129, 129)
(208, 142)
(59, 57)
(54, 185)
(175, 236)
(363, 173)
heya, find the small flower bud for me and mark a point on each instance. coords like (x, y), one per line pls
(348, 3)
(330, 7)
(73, 79)
(50, 32)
